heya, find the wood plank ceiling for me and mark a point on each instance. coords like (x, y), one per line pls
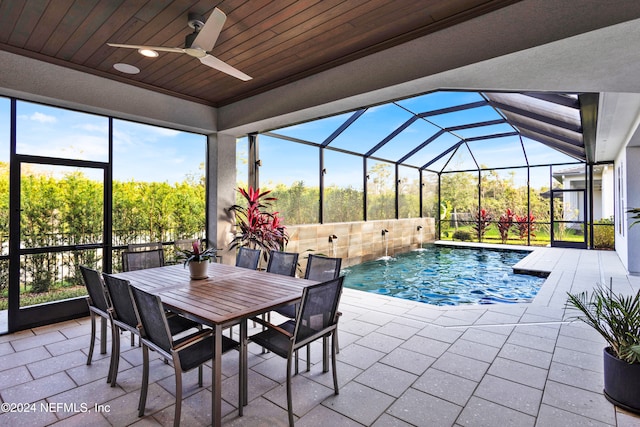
(275, 42)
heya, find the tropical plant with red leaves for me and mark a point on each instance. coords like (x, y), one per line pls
(483, 218)
(504, 224)
(525, 225)
(198, 252)
(258, 228)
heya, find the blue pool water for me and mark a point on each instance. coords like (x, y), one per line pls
(443, 275)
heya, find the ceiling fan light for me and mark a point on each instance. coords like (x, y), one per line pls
(149, 53)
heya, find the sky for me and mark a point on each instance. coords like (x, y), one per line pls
(285, 161)
(141, 152)
(150, 153)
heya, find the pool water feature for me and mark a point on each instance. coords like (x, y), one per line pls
(444, 275)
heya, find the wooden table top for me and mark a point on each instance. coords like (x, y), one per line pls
(228, 295)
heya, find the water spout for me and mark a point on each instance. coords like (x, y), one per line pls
(332, 244)
(386, 242)
(419, 237)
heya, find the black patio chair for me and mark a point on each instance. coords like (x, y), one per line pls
(319, 268)
(283, 263)
(99, 305)
(186, 353)
(316, 319)
(248, 258)
(123, 318)
(140, 260)
(149, 246)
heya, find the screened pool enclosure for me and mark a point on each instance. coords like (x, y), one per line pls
(513, 168)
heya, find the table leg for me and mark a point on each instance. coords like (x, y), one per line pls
(244, 400)
(216, 380)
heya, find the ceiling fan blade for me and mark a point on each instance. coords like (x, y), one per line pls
(208, 34)
(158, 48)
(214, 62)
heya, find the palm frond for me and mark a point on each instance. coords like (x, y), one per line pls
(614, 316)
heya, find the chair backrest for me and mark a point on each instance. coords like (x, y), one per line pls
(184, 244)
(284, 263)
(95, 288)
(318, 308)
(322, 268)
(122, 304)
(150, 314)
(139, 260)
(136, 247)
(248, 258)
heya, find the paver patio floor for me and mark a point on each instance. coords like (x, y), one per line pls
(401, 363)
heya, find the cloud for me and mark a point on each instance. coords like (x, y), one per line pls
(92, 128)
(42, 118)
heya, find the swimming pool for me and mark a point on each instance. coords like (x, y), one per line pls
(444, 275)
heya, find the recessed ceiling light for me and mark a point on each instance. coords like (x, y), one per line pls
(126, 68)
(149, 53)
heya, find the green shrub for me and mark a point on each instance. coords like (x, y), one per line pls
(462, 235)
(603, 234)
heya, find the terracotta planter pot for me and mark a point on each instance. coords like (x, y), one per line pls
(621, 381)
(198, 269)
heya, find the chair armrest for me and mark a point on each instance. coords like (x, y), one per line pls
(193, 339)
(272, 326)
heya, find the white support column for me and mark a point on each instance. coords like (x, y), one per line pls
(221, 191)
(633, 201)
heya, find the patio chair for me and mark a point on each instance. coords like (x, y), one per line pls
(248, 258)
(140, 260)
(98, 303)
(283, 263)
(136, 247)
(186, 353)
(321, 269)
(123, 318)
(316, 319)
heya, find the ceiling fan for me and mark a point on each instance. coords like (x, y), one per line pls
(198, 44)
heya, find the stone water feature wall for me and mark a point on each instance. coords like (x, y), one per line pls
(361, 241)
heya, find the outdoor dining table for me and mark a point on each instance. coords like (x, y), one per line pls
(229, 296)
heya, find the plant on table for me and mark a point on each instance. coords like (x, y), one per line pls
(257, 226)
(198, 253)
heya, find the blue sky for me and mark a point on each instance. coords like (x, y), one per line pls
(141, 152)
(287, 162)
(150, 153)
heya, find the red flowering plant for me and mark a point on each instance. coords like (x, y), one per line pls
(525, 225)
(258, 228)
(483, 219)
(197, 253)
(504, 224)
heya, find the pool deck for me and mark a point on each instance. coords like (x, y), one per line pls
(401, 363)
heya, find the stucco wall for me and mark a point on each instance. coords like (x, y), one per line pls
(360, 241)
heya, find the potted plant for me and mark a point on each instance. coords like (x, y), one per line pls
(197, 259)
(257, 227)
(617, 318)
